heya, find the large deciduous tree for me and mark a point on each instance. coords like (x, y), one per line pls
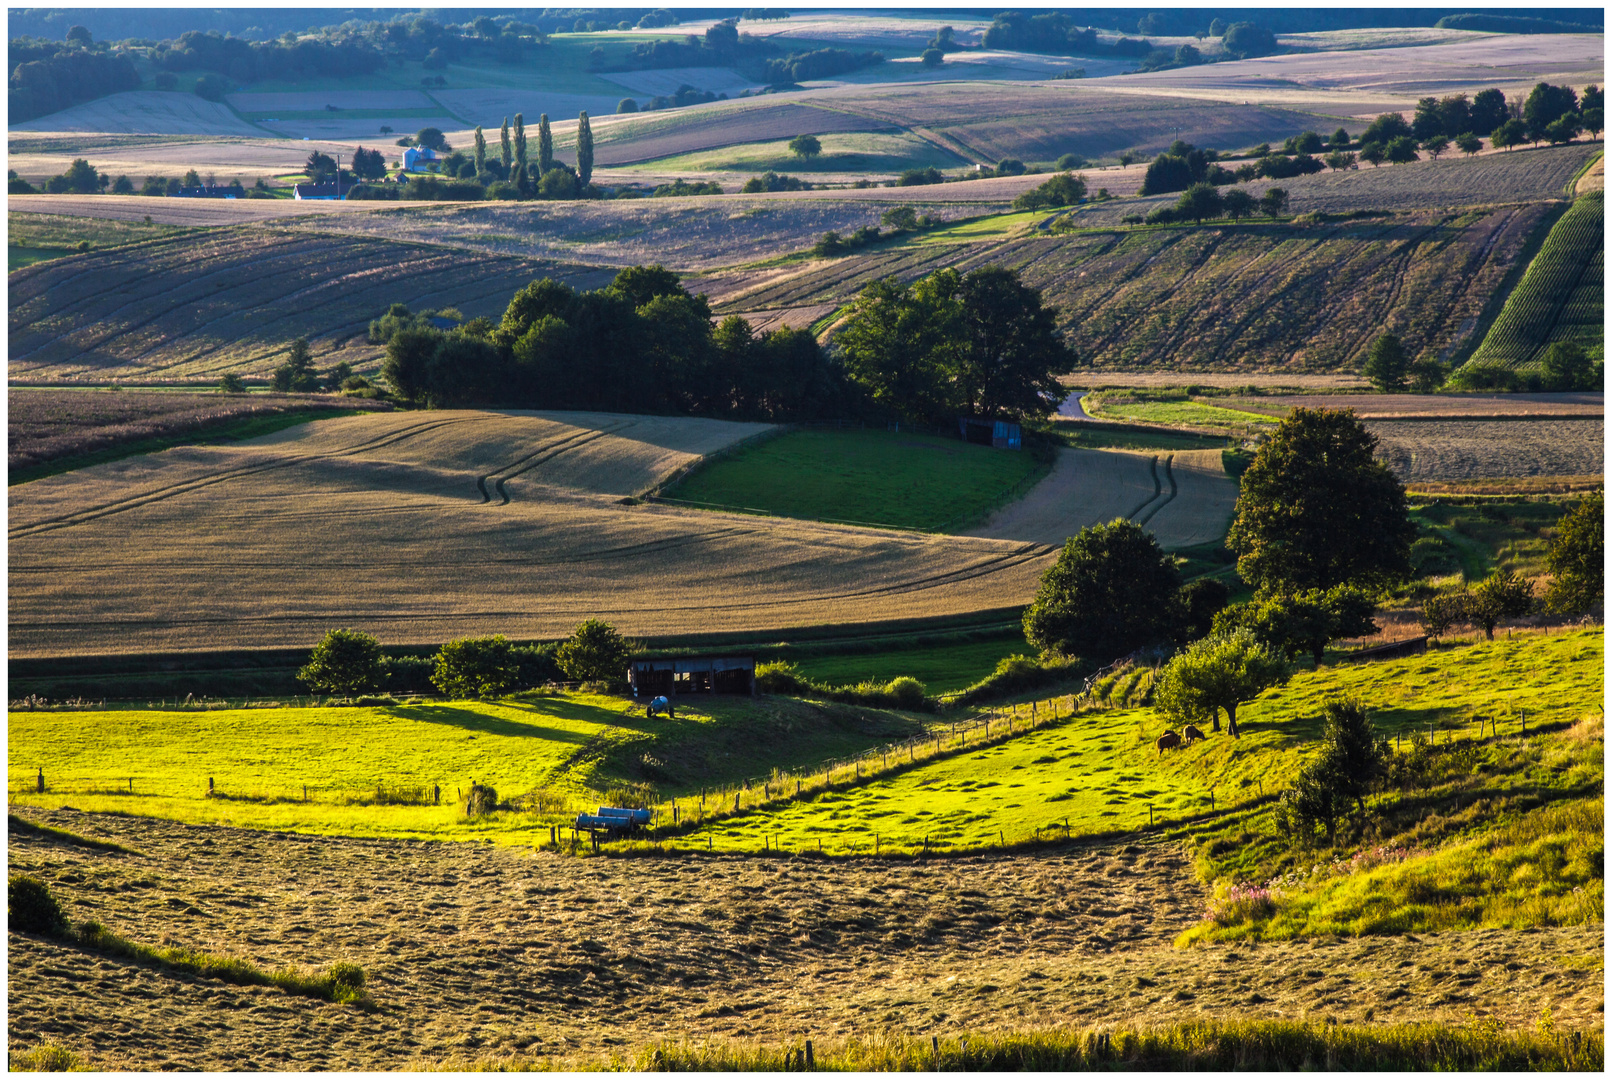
(1317, 510)
(595, 651)
(1110, 591)
(1575, 558)
(344, 662)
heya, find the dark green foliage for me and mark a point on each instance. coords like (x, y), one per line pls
(30, 907)
(1385, 129)
(1568, 367)
(977, 345)
(1501, 595)
(1244, 39)
(1167, 173)
(1064, 189)
(1576, 559)
(920, 177)
(1200, 201)
(904, 692)
(346, 662)
(1303, 622)
(932, 58)
(1401, 151)
(1545, 104)
(584, 149)
(772, 181)
(1110, 591)
(1273, 202)
(432, 139)
(905, 219)
(475, 668)
(231, 383)
(53, 78)
(1353, 758)
(1386, 365)
(806, 146)
(481, 799)
(595, 651)
(297, 374)
(681, 187)
(1201, 601)
(1317, 510)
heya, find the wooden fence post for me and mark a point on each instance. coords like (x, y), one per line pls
(40, 785)
(209, 785)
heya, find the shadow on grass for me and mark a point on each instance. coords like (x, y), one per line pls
(470, 720)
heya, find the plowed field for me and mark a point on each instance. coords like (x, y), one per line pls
(194, 306)
(1282, 296)
(424, 527)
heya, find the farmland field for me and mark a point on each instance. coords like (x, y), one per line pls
(191, 307)
(1479, 449)
(1435, 406)
(140, 111)
(861, 476)
(58, 429)
(467, 523)
(1284, 297)
(1560, 296)
(194, 212)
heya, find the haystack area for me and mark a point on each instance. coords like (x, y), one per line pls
(477, 952)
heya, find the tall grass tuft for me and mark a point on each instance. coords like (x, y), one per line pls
(48, 1056)
(1198, 1045)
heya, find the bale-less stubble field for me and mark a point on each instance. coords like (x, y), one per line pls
(1488, 449)
(425, 527)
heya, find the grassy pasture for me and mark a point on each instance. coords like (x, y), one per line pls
(64, 231)
(847, 152)
(370, 771)
(18, 256)
(1181, 411)
(864, 476)
(1100, 771)
(941, 668)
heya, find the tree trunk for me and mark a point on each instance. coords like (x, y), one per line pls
(1214, 716)
(1231, 721)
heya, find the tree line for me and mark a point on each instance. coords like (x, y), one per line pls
(48, 76)
(980, 344)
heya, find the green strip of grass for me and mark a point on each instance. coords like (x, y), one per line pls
(229, 431)
(862, 476)
(19, 257)
(1198, 1045)
(942, 669)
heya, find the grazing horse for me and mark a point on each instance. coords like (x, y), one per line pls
(1168, 741)
(1192, 734)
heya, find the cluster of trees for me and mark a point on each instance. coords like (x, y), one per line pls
(1056, 33)
(1564, 366)
(245, 61)
(817, 64)
(1203, 201)
(1064, 189)
(642, 344)
(1321, 527)
(980, 344)
(900, 219)
(771, 181)
(507, 172)
(350, 662)
(299, 376)
(47, 76)
(684, 96)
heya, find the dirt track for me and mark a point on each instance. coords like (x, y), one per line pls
(489, 952)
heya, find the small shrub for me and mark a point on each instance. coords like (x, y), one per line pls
(907, 692)
(31, 907)
(781, 677)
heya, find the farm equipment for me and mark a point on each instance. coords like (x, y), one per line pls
(660, 705)
(613, 821)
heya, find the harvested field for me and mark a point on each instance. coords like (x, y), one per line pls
(1183, 498)
(38, 157)
(667, 81)
(317, 100)
(147, 112)
(769, 949)
(1561, 295)
(1306, 298)
(1436, 406)
(725, 123)
(1485, 449)
(468, 523)
(695, 233)
(67, 231)
(1513, 62)
(194, 306)
(44, 426)
(193, 212)
(1308, 383)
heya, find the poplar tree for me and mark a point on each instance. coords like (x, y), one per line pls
(504, 154)
(545, 145)
(520, 140)
(481, 152)
(584, 148)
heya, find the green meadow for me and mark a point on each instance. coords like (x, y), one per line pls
(1099, 771)
(369, 771)
(1192, 413)
(943, 669)
(858, 475)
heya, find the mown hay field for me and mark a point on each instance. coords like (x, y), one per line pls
(39, 156)
(1561, 294)
(192, 307)
(425, 527)
(145, 111)
(1280, 296)
(458, 939)
(1184, 498)
(1435, 406)
(1486, 449)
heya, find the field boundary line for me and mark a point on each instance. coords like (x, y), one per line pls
(689, 468)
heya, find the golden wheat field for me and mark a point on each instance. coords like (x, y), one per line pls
(425, 527)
